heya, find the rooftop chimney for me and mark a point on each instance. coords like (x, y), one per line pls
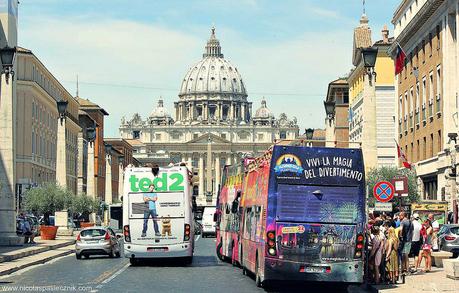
(385, 34)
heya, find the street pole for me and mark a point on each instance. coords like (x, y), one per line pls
(209, 170)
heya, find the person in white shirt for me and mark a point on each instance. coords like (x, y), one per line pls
(436, 228)
(416, 239)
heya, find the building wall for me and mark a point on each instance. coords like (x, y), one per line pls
(37, 118)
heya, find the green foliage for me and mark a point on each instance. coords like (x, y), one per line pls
(47, 199)
(84, 204)
(387, 174)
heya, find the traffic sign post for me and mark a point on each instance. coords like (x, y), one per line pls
(401, 188)
(383, 191)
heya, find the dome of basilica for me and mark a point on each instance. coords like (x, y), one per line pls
(263, 112)
(160, 111)
(213, 74)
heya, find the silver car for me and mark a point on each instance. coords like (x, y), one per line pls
(448, 238)
(97, 241)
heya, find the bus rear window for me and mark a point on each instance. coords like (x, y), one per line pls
(316, 204)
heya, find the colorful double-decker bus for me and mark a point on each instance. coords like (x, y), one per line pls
(303, 215)
(228, 213)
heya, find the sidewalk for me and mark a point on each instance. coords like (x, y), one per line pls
(433, 281)
(16, 258)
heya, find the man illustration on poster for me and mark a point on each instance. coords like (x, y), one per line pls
(151, 199)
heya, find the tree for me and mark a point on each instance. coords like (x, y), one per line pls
(84, 204)
(47, 199)
(387, 174)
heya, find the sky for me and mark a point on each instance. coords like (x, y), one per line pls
(128, 53)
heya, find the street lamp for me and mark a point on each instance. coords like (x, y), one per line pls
(330, 110)
(108, 149)
(91, 133)
(7, 55)
(369, 60)
(62, 108)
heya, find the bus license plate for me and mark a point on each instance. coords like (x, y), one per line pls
(160, 249)
(314, 269)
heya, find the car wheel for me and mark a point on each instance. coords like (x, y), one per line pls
(78, 256)
(85, 256)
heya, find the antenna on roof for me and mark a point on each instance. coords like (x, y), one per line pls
(363, 6)
(77, 88)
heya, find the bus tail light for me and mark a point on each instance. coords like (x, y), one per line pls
(186, 236)
(271, 246)
(127, 233)
(359, 246)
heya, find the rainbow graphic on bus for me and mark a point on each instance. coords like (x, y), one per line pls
(288, 163)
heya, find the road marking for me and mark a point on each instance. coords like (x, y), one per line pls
(116, 274)
(197, 238)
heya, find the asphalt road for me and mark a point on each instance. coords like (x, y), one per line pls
(102, 274)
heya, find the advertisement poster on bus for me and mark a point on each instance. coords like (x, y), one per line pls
(157, 215)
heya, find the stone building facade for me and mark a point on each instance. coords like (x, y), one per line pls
(427, 91)
(214, 124)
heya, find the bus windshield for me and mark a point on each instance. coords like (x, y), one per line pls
(317, 204)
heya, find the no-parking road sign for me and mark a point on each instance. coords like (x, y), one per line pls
(383, 191)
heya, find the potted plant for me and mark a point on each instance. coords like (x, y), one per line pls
(85, 205)
(46, 200)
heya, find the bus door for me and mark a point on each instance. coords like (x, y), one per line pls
(159, 220)
(316, 224)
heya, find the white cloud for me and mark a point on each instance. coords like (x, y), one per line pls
(126, 52)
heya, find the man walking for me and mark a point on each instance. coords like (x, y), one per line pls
(416, 240)
(406, 238)
(151, 199)
(436, 228)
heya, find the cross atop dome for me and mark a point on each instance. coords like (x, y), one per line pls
(213, 48)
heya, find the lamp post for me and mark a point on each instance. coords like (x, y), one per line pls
(61, 156)
(7, 56)
(330, 110)
(8, 144)
(108, 181)
(369, 147)
(369, 56)
(309, 135)
(121, 160)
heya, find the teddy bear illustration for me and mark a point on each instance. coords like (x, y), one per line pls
(166, 223)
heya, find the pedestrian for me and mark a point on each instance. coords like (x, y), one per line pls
(435, 228)
(28, 233)
(405, 240)
(392, 255)
(427, 245)
(416, 241)
(376, 253)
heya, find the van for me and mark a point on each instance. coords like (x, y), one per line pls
(208, 224)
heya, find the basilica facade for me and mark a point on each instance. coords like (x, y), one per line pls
(214, 124)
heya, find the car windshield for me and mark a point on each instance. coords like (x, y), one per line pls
(92, 233)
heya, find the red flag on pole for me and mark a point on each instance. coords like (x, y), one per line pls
(402, 156)
(399, 59)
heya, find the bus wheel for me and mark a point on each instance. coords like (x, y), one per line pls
(219, 252)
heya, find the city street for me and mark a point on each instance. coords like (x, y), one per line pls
(116, 275)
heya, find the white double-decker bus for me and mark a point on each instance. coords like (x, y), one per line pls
(158, 214)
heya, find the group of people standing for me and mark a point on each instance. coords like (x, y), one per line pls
(393, 240)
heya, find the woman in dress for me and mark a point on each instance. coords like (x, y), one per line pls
(427, 246)
(392, 255)
(377, 247)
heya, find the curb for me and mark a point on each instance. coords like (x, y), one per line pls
(7, 258)
(40, 261)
